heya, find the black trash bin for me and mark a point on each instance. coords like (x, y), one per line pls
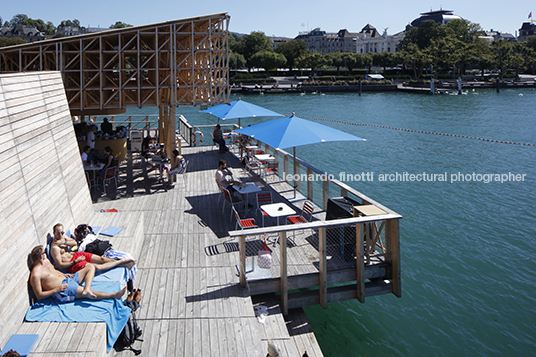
(342, 238)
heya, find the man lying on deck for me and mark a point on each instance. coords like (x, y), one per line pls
(73, 262)
(47, 281)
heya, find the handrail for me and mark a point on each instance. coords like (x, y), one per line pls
(314, 224)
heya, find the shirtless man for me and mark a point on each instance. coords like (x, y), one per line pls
(73, 262)
(47, 281)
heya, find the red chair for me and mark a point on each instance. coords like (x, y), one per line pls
(109, 175)
(271, 167)
(263, 198)
(307, 209)
(244, 223)
(232, 200)
(253, 165)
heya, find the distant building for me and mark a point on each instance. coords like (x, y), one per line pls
(371, 41)
(276, 41)
(368, 40)
(28, 34)
(491, 36)
(75, 31)
(526, 30)
(440, 16)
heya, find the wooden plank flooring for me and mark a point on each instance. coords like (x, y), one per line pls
(192, 302)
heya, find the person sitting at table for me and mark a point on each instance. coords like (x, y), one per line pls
(106, 127)
(146, 145)
(108, 160)
(218, 139)
(177, 163)
(85, 155)
(223, 182)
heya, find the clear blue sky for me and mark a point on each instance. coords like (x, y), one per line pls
(275, 17)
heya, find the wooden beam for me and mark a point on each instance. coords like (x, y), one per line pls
(242, 252)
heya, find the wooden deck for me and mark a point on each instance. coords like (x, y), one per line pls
(192, 302)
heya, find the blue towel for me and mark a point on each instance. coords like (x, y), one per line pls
(22, 344)
(111, 231)
(111, 311)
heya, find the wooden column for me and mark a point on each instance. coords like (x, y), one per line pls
(344, 192)
(284, 273)
(160, 121)
(360, 262)
(392, 240)
(170, 144)
(242, 253)
(323, 267)
(310, 182)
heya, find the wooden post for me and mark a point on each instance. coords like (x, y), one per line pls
(242, 253)
(360, 262)
(392, 240)
(323, 268)
(344, 192)
(170, 144)
(310, 182)
(284, 273)
(325, 192)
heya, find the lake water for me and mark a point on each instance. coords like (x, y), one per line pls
(467, 248)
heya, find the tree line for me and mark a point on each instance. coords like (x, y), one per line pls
(454, 47)
(48, 28)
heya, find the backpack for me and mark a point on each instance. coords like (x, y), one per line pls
(81, 232)
(131, 332)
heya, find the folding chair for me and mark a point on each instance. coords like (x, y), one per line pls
(307, 210)
(263, 198)
(244, 223)
(271, 167)
(231, 200)
(253, 164)
(109, 175)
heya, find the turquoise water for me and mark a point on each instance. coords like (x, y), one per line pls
(468, 248)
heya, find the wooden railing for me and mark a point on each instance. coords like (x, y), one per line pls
(391, 257)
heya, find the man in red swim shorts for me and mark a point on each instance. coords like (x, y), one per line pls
(73, 262)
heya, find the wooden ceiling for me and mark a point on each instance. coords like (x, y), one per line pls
(174, 63)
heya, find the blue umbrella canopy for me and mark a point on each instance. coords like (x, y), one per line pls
(240, 109)
(293, 131)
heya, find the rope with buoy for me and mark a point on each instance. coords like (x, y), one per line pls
(421, 131)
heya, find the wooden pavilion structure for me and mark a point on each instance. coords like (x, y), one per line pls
(164, 65)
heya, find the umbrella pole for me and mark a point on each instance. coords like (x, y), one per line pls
(294, 183)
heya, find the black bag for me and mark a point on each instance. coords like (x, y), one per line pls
(98, 247)
(131, 332)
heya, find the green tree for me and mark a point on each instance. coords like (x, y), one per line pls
(350, 60)
(416, 59)
(422, 36)
(311, 60)
(268, 60)
(251, 44)
(502, 52)
(120, 25)
(335, 59)
(292, 50)
(10, 41)
(383, 59)
(236, 60)
(68, 23)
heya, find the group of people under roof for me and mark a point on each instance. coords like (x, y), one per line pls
(48, 279)
(173, 166)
